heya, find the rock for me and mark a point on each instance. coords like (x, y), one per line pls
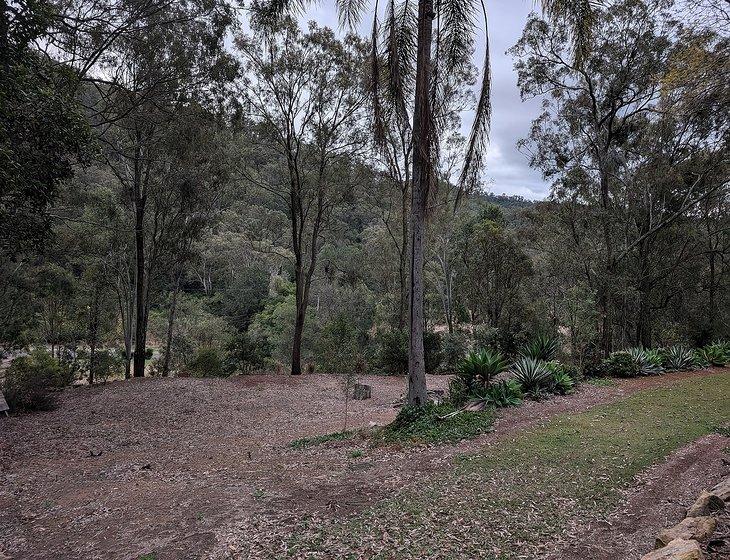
(722, 490)
(697, 528)
(362, 392)
(705, 505)
(678, 549)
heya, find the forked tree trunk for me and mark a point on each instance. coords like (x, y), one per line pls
(417, 395)
(170, 329)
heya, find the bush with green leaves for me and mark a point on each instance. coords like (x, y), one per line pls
(507, 340)
(479, 367)
(392, 353)
(30, 381)
(543, 347)
(565, 377)
(533, 375)
(648, 361)
(677, 358)
(715, 354)
(504, 393)
(242, 354)
(618, 364)
(453, 350)
(207, 363)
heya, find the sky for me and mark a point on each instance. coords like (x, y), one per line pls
(507, 170)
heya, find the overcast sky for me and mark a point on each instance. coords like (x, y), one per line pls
(507, 169)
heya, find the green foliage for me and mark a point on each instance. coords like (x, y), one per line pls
(502, 394)
(432, 351)
(453, 350)
(30, 381)
(618, 364)
(207, 363)
(392, 355)
(542, 347)
(677, 358)
(303, 443)
(431, 423)
(393, 352)
(715, 354)
(480, 366)
(106, 364)
(507, 340)
(533, 375)
(649, 362)
(243, 354)
(562, 383)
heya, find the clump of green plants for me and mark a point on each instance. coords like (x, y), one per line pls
(502, 394)
(481, 366)
(435, 423)
(649, 362)
(393, 351)
(533, 375)
(677, 358)
(31, 380)
(543, 347)
(715, 354)
(303, 443)
(618, 364)
(207, 363)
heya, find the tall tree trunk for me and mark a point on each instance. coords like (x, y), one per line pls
(300, 303)
(93, 334)
(170, 327)
(417, 395)
(403, 259)
(139, 291)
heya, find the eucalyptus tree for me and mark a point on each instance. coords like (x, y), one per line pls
(626, 147)
(155, 76)
(423, 61)
(304, 97)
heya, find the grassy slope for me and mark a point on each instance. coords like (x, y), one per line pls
(503, 502)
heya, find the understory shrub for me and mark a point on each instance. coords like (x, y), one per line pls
(207, 363)
(31, 380)
(243, 354)
(618, 364)
(504, 393)
(393, 351)
(453, 350)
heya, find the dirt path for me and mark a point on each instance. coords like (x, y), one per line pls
(164, 464)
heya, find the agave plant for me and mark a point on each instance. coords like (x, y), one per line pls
(715, 354)
(678, 358)
(542, 347)
(533, 375)
(503, 394)
(649, 361)
(480, 366)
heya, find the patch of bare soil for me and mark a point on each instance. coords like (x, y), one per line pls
(164, 465)
(659, 499)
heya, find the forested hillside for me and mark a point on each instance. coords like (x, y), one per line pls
(223, 204)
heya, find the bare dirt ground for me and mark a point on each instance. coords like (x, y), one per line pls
(163, 465)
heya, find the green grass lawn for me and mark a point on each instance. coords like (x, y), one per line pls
(514, 494)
